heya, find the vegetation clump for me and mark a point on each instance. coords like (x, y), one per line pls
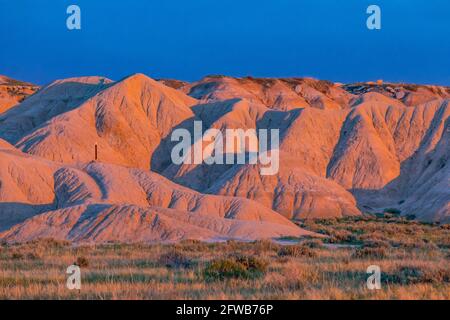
(235, 267)
(416, 275)
(368, 252)
(413, 257)
(174, 259)
(297, 251)
(82, 262)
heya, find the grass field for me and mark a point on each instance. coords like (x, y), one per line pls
(413, 257)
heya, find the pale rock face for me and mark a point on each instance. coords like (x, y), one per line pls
(26, 185)
(127, 120)
(278, 94)
(311, 135)
(59, 97)
(129, 197)
(364, 146)
(99, 223)
(294, 192)
(344, 150)
(366, 142)
(425, 186)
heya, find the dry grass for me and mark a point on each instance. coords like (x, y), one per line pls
(413, 257)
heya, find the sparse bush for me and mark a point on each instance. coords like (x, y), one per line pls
(233, 245)
(342, 236)
(235, 267)
(376, 244)
(216, 76)
(33, 256)
(191, 245)
(260, 81)
(297, 251)
(363, 253)
(252, 263)
(174, 259)
(438, 276)
(404, 276)
(82, 262)
(261, 246)
(189, 242)
(313, 243)
(417, 244)
(372, 237)
(327, 222)
(414, 275)
(223, 269)
(17, 256)
(48, 243)
(411, 87)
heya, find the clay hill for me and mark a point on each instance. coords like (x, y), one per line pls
(12, 92)
(345, 150)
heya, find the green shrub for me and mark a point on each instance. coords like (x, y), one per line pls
(342, 236)
(235, 267)
(404, 276)
(414, 275)
(174, 259)
(17, 256)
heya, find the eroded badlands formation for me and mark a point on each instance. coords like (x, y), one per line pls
(13, 92)
(344, 150)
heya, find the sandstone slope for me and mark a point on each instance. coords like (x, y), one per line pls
(103, 202)
(344, 149)
(13, 92)
(126, 119)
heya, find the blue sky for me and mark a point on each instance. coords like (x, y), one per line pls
(187, 40)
